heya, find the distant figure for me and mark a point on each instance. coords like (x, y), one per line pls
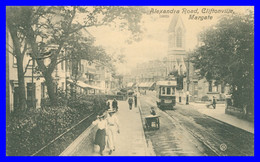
(115, 105)
(136, 100)
(130, 102)
(152, 111)
(213, 104)
(108, 106)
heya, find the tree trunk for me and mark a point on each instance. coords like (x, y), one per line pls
(19, 58)
(22, 98)
(50, 88)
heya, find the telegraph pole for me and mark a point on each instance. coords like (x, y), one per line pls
(33, 87)
(188, 81)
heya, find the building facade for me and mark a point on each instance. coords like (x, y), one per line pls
(178, 62)
(92, 78)
(35, 88)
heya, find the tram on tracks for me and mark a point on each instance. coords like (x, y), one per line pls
(165, 94)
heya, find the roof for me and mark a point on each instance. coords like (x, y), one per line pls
(146, 84)
(166, 83)
(174, 21)
(84, 85)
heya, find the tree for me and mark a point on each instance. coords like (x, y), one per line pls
(227, 56)
(60, 26)
(179, 79)
(15, 23)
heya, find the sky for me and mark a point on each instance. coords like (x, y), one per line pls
(154, 43)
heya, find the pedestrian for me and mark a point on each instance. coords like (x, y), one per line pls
(130, 102)
(108, 105)
(100, 137)
(135, 100)
(112, 129)
(115, 105)
(214, 102)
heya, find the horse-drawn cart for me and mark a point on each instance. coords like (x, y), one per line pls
(152, 121)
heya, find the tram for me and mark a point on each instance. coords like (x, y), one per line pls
(165, 94)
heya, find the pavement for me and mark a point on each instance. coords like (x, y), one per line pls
(130, 142)
(219, 114)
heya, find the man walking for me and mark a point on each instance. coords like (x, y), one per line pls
(115, 105)
(214, 102)
(130, 102)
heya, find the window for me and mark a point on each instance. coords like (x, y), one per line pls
(173, 91)
(168, 91)
(216, 88)
(62, 86)
(210, 86)
(179, 38)
(43, 90)
(163, 90)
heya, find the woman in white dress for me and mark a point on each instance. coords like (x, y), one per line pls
(112, 128)
(100, 138)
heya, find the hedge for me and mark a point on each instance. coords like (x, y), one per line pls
(29, 131)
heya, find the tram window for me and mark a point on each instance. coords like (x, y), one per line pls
(172, 91)
(163, 90)
(168, 91)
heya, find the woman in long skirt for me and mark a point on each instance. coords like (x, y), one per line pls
(112, 128)
(100, 138)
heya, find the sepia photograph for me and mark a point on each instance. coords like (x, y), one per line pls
(130, 81)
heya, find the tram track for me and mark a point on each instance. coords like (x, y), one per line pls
(216, 137)
(211, 138)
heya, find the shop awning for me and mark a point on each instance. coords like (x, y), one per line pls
(84, 85)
